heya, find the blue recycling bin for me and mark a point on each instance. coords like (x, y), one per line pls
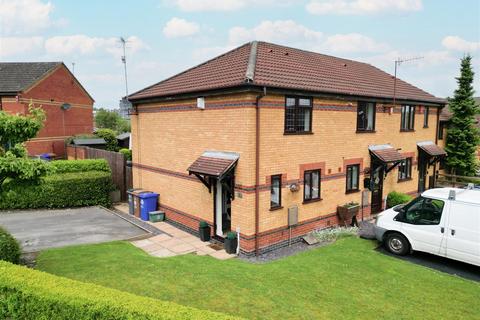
(148, 203)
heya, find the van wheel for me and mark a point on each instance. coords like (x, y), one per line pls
(397, 244)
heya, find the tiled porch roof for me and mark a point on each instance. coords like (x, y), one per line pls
(386, 153)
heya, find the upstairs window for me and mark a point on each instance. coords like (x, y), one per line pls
(441, 128)
(366, 116)
(408, 118)
(276, 192)
(426, 111)
(405, 169)
(298, 115)
(353, 173)
(311, 190)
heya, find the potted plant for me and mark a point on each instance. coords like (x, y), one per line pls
(204, 231)
(231, 243)
(348, 211)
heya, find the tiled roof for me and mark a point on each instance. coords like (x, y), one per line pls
(431, 148)
(386, 153)
(18, 76)
(214, 164)
(286, 68)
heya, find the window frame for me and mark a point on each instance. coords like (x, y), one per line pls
(272, 178)
(410, 123)
(426, 114)
(310, 172)
(441, 128)
(408, 175)
(364, 104)
(349, 189)
(297, 107)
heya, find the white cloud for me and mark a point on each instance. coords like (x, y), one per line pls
(459, 44)
(14, 46)
(280, 31)
(353, 42)
(358, 7)
(82, 44)
(24, 16)
(177, 27)
(224, 5)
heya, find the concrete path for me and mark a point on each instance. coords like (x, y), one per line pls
(174, 242)
(41, 229)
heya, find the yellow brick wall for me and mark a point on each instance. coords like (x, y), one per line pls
(174, 140)
(333, 140)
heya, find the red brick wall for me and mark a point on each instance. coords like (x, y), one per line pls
(50, 93)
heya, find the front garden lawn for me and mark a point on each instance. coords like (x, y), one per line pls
(345, 280)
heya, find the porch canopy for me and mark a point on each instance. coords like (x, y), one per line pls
(431, 150)
(213, 165)
(387, 155)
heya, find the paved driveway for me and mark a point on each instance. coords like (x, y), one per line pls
(40, 229)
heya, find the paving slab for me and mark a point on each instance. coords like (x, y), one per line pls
(41, 229)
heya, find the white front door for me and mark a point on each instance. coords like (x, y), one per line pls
(463, 234)
(424, 225)
(219, 210)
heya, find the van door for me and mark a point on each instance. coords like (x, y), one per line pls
(463, 234)
(423, 223)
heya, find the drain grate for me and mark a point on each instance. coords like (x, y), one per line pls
(216, 246)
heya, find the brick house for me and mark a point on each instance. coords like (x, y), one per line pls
(68, 106)
(244, 138)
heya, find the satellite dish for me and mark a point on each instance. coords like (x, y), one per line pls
(65, 106)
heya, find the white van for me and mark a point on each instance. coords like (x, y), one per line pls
(445, 222)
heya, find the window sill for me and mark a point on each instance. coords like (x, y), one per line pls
(404, 180)
(425, 127)
(407, 130)
(310, 201)
(352, 191)
(276, 208)
(365, 131)
(296, 133)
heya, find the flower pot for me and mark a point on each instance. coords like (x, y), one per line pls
(230, 245)
(347, 213)
(204, 233)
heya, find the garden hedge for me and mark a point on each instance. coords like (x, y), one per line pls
(32, 294)
(9, 247)
(395, 198)
(59, 190)
(64, 166)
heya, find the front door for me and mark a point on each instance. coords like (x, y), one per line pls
(422, 171)
(377, 187)
(223, 209)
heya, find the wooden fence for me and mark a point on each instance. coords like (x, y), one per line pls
(121, 174)
(450, 180)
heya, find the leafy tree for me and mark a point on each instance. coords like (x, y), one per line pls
(463, 136)
(109, 119)
(14, 131)
(110, 138)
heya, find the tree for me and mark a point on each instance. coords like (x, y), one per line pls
(109, 119)
(463, 136)
(14, 131)
(110, 138)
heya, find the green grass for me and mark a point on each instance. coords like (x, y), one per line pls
(345, 280)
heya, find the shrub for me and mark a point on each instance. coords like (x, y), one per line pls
(31, 294)
(203, 224)
(231, 235)
(9, 247)
(64, 166)
(395, 198)
(110, 138)
(127, 153)
(58, 191)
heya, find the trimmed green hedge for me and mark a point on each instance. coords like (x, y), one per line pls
(9, 247)
(395, 198)
(32, 294)
(59, 190)
(64, 166)
(127, 153)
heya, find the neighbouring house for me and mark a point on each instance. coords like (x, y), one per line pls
(50, 85)
(266, 132)
(445, 116)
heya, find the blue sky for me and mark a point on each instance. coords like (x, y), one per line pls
(167, 36)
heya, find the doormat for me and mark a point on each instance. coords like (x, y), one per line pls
(216, 246)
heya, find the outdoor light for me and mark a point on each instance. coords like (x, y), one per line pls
(65, 106)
